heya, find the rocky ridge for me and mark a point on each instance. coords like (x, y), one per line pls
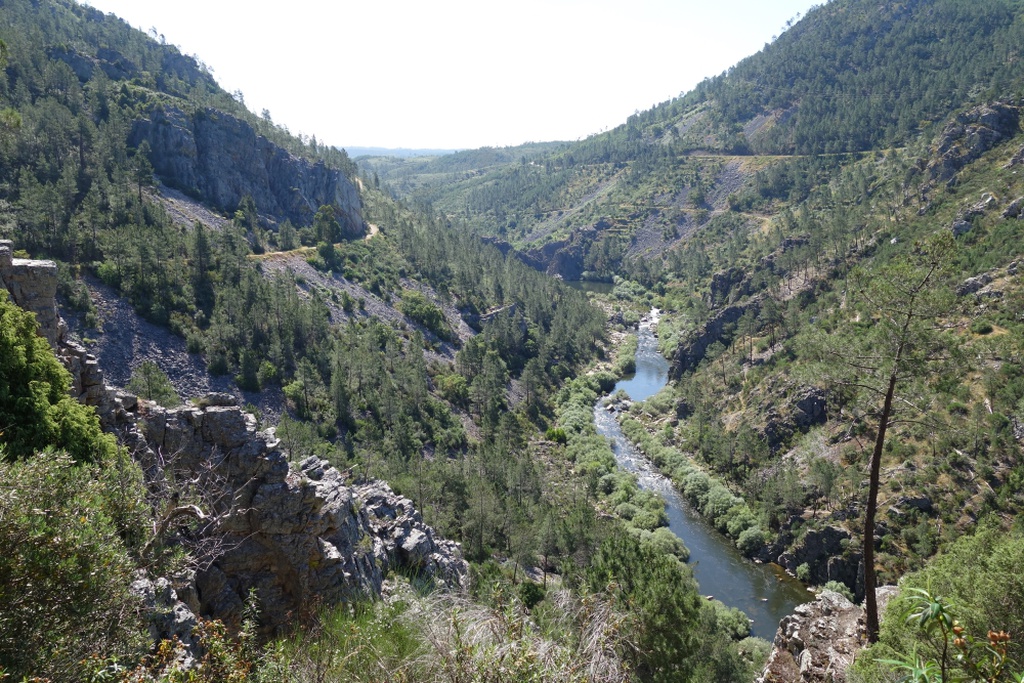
(298, 537)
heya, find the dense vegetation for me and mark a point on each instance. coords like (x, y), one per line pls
(768, 265)
(379, 373)
(774, 214)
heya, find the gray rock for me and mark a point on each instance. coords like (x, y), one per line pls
(220, 159)
(1014, 209)
(168, 618)
(919, 503)
(960, 227)
(33, 286)
(819, 641)
(968, 136)
(973, 284)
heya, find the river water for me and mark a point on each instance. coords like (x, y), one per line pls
(763, 591)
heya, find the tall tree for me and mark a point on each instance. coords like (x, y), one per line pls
(891, 340)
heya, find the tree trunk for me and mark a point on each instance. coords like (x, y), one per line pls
(870, 604)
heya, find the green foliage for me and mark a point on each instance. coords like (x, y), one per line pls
(148, 381)
(36, 410)
(886, 54)
(625, 356)
(981, 327)
(420, 309)
(963, 656)
(839, 587)
(66, 569)
(661, 595)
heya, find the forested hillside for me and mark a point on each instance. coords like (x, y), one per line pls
(848, 78)
(395, 344)
(832, 228)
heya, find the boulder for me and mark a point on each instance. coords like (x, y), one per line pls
(973, 284)
(1014, 209)
(969, 135)
(168, 618)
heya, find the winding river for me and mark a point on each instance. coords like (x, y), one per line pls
(763, 591)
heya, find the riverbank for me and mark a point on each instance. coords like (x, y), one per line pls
(764, 593)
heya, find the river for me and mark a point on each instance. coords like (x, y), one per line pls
(763, 591)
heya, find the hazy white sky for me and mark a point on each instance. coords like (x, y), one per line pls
(459, 73)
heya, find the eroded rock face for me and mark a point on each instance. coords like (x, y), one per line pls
(299, 538)
(969, 135)
(692, 350)
(823, 551)
(818, 642)
(220, 159)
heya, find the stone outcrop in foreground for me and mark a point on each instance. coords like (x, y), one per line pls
(818, 642)
(298, 537)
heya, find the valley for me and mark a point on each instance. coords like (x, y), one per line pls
(724, 393)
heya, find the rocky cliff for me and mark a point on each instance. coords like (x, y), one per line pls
(219, 159)
(296, 536)
(33, 286)
(299, 536)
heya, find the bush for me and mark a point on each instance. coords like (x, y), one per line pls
(65, 570)
(751, 541)
(839, 587)
(668, 543)
(148, 381)
(418, 308)
(980, 575)
(981, 327)
(36, 409)
(558, 435)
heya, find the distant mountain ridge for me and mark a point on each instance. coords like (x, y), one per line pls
(852, 76)
(399, 152)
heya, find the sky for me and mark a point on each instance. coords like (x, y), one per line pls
(457, 74)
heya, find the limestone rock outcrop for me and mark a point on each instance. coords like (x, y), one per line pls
(967, 137)
(220, 159)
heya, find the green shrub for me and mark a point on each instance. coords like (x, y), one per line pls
(668, 543)
(148, 381)
(418, 308)
(556, 434)
(839, 587)
(751, 541)
(980, 576)
(981, 327)
(36, 409)
(65, 569)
